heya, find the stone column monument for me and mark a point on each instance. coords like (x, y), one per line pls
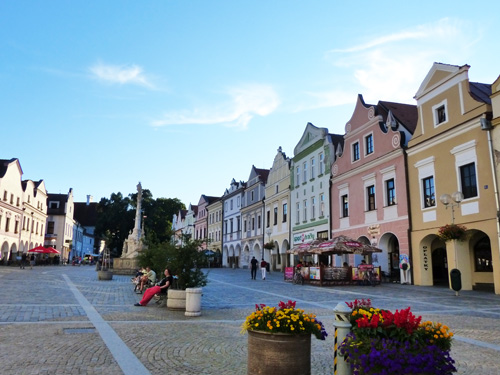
(127, 263)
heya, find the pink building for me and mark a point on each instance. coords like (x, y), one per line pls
(369, 184)
(201, 222)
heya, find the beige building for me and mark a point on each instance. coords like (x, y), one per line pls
(214, 210)
(277, 204)
(252, 217)
(450, 154)
(23, 211)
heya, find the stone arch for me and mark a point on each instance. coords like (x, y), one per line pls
(389, 258)
(4, 251)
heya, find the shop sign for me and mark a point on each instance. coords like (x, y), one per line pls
(425, 252)
(303, 237)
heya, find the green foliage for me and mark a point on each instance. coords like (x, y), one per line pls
(184, 261)
(116, 217)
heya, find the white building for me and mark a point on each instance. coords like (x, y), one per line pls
(23, 211)
(231, 226)
(60, 222)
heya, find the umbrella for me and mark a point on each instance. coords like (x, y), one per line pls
(209, 252)
(43, 250)
(303, 248)
(343, 245)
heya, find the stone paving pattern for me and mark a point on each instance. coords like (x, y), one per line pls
(44, 330)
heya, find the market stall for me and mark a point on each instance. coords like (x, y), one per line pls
(328, 275)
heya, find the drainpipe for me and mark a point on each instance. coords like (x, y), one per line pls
(486, 125)
(408, 205)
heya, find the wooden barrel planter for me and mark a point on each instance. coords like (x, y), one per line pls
(278, 353)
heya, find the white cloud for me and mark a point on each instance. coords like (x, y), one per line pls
(245, 102)
(120, 74)
(392, 67)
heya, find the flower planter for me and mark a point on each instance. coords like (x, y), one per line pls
(193, 302)
(278, 353)
(176, 299)
(104, 275)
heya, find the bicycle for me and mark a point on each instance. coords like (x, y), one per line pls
(298, 278)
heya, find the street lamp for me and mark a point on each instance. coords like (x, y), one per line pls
(453, 201)
(448, 200)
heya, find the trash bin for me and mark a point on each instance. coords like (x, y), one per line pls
(456, 280)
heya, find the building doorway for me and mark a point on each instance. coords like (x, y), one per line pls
(439, 267)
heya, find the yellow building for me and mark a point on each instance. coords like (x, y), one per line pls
(214, 210)
(276, 209)
(450, 154)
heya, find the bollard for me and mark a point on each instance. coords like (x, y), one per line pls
(342, 328)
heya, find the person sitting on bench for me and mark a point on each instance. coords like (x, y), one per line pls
(148, 278)
(161, 287)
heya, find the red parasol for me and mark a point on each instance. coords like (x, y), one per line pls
(43, 250)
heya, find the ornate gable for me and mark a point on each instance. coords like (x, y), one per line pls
(311, 135)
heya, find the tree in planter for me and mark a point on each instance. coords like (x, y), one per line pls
(184, 261)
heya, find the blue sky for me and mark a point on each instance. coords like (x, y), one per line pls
(186, 95)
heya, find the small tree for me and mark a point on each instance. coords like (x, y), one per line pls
(184, 261)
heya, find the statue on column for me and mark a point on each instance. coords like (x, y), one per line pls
(133, 244)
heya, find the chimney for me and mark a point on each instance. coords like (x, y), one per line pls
(90, 199)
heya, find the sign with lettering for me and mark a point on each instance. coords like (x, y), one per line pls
(425, 257)
(303, 237)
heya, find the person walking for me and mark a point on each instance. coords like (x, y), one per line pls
(263, 265)
(32, 261)
(253, 269)
(23, 261)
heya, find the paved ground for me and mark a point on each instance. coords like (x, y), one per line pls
(62, 320)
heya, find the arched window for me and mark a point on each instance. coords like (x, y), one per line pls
(482, 255)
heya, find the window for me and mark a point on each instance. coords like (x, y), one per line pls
(355, 151)
(259, 221)
(305, 210)
(277, 189)
(298, 213)
(268, 219)
(244, 225)
(12, 199)
(312, 168)
(429, 194)
(313, 207)
(391, 192)
(238, 201)
(253, 223)
(321, 163)
(231, 204)
(468, 180)
(345, 205)
(7, 224)
(322, 205)
(441, 114)
(285, 212)
(298, 177)
(482, 256)
(369, 144)
(275, 221)
(53, 205)
(16, 227)
(305, 171)
(251, 196)
(231, 225)
(17, 202)
(370, 197)
(5, 195)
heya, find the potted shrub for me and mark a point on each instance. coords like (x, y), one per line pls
(382, 342)
(185, 263)
(279, 339)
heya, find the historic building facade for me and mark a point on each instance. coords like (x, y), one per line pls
(23, 211)
(214, 210)
(60, 222)
(451, 181)
(231, 226)
(252, 217)
(368, 190)
(309, 184)
(277, 205)
(201, 222)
